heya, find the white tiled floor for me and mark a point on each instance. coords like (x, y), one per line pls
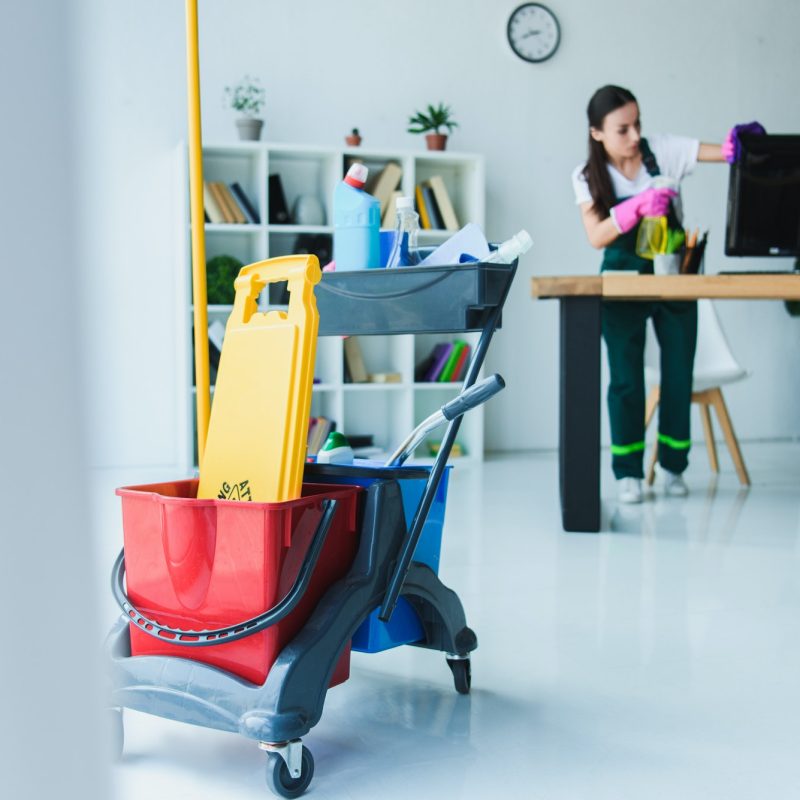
(658, 659)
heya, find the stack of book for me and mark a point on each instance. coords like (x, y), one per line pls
(447, 362)
(318, 430)
(434, 206)
(228, 204)
(216, 333)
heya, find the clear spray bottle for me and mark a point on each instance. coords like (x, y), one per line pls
(406, 230)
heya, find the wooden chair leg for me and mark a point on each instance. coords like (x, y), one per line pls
(651, 467)
(651, 406)
(730, 437)
(708, 430)
(653, 400)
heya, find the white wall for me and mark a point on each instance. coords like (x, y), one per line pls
(696, 68)
(51, 744)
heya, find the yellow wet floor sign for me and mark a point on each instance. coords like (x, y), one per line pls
(256, 442)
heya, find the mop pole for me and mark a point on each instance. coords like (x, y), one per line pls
(197, 217)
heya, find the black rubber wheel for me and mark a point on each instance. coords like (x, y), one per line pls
(282, 783)
(462, 674)
(116, 732)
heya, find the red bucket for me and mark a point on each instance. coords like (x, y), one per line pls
(203, 564)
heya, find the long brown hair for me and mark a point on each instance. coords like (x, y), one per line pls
(603, 102)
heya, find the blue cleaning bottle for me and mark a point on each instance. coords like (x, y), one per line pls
(356, 223)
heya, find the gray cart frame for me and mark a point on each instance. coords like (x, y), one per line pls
(290, 702)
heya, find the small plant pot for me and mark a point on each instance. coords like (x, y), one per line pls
(249, 128)
(436, 141)
(352, 141)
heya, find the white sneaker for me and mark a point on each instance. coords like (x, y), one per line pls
(674, 484)
(629, 490)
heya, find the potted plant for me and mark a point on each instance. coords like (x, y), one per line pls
(434, 118)
(354, 139)
(247, 97)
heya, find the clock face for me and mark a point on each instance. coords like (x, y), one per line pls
(533, 32)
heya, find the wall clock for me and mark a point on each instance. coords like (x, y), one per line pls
(533, 32)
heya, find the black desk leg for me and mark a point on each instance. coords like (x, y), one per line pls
(579, 423)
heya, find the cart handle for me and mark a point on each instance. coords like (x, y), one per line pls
(406, 551)
(469, 398)
(231, 633)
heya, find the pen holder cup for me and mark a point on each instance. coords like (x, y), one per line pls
(692, 263)
(667, 264)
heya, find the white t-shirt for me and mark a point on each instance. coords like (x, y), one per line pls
(676, 157)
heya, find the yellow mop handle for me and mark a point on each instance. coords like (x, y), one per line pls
(197, 218)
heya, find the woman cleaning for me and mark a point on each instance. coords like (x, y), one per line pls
(614, 191)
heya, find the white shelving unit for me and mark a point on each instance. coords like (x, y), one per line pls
(387, 411)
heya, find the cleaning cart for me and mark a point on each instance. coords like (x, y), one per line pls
(240, 613)
(339, 558)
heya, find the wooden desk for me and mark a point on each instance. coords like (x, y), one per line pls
(581, 300)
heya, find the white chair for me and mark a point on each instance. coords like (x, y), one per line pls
(714, 366)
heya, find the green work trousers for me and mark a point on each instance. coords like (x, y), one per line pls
(624, 325)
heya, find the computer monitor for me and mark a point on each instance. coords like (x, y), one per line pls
(764, 197)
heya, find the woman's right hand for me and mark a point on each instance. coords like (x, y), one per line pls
(731, 146)
(649, 203)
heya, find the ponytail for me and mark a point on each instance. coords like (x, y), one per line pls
(603, 102)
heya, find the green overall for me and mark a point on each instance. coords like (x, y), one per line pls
(624, 325)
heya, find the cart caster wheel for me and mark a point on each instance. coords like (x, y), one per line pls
(116, 732)
(462, 674)
(280, 780)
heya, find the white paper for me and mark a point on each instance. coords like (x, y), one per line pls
(470, 239)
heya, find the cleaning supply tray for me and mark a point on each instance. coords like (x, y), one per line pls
(441, 299)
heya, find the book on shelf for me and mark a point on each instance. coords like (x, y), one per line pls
(422, 210)
(278, 210)
(247, 207)
(233, 206)
(354, 360)
(212, 209)
(222, 203)
(318, 430)
(447, 370)
(213, 362)
(322, 432)
(461, 364)
(421, 369)
(385, 182)
(216, 333)
(388, 220)
(430, 205)
(385, 377)
(443, 201)
(441, 352)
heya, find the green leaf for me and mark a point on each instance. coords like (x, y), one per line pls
(435, 118)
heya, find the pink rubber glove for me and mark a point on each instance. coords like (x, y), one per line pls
(649, 203)
(730, 147)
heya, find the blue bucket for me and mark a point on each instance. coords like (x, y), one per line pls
(373, 636)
